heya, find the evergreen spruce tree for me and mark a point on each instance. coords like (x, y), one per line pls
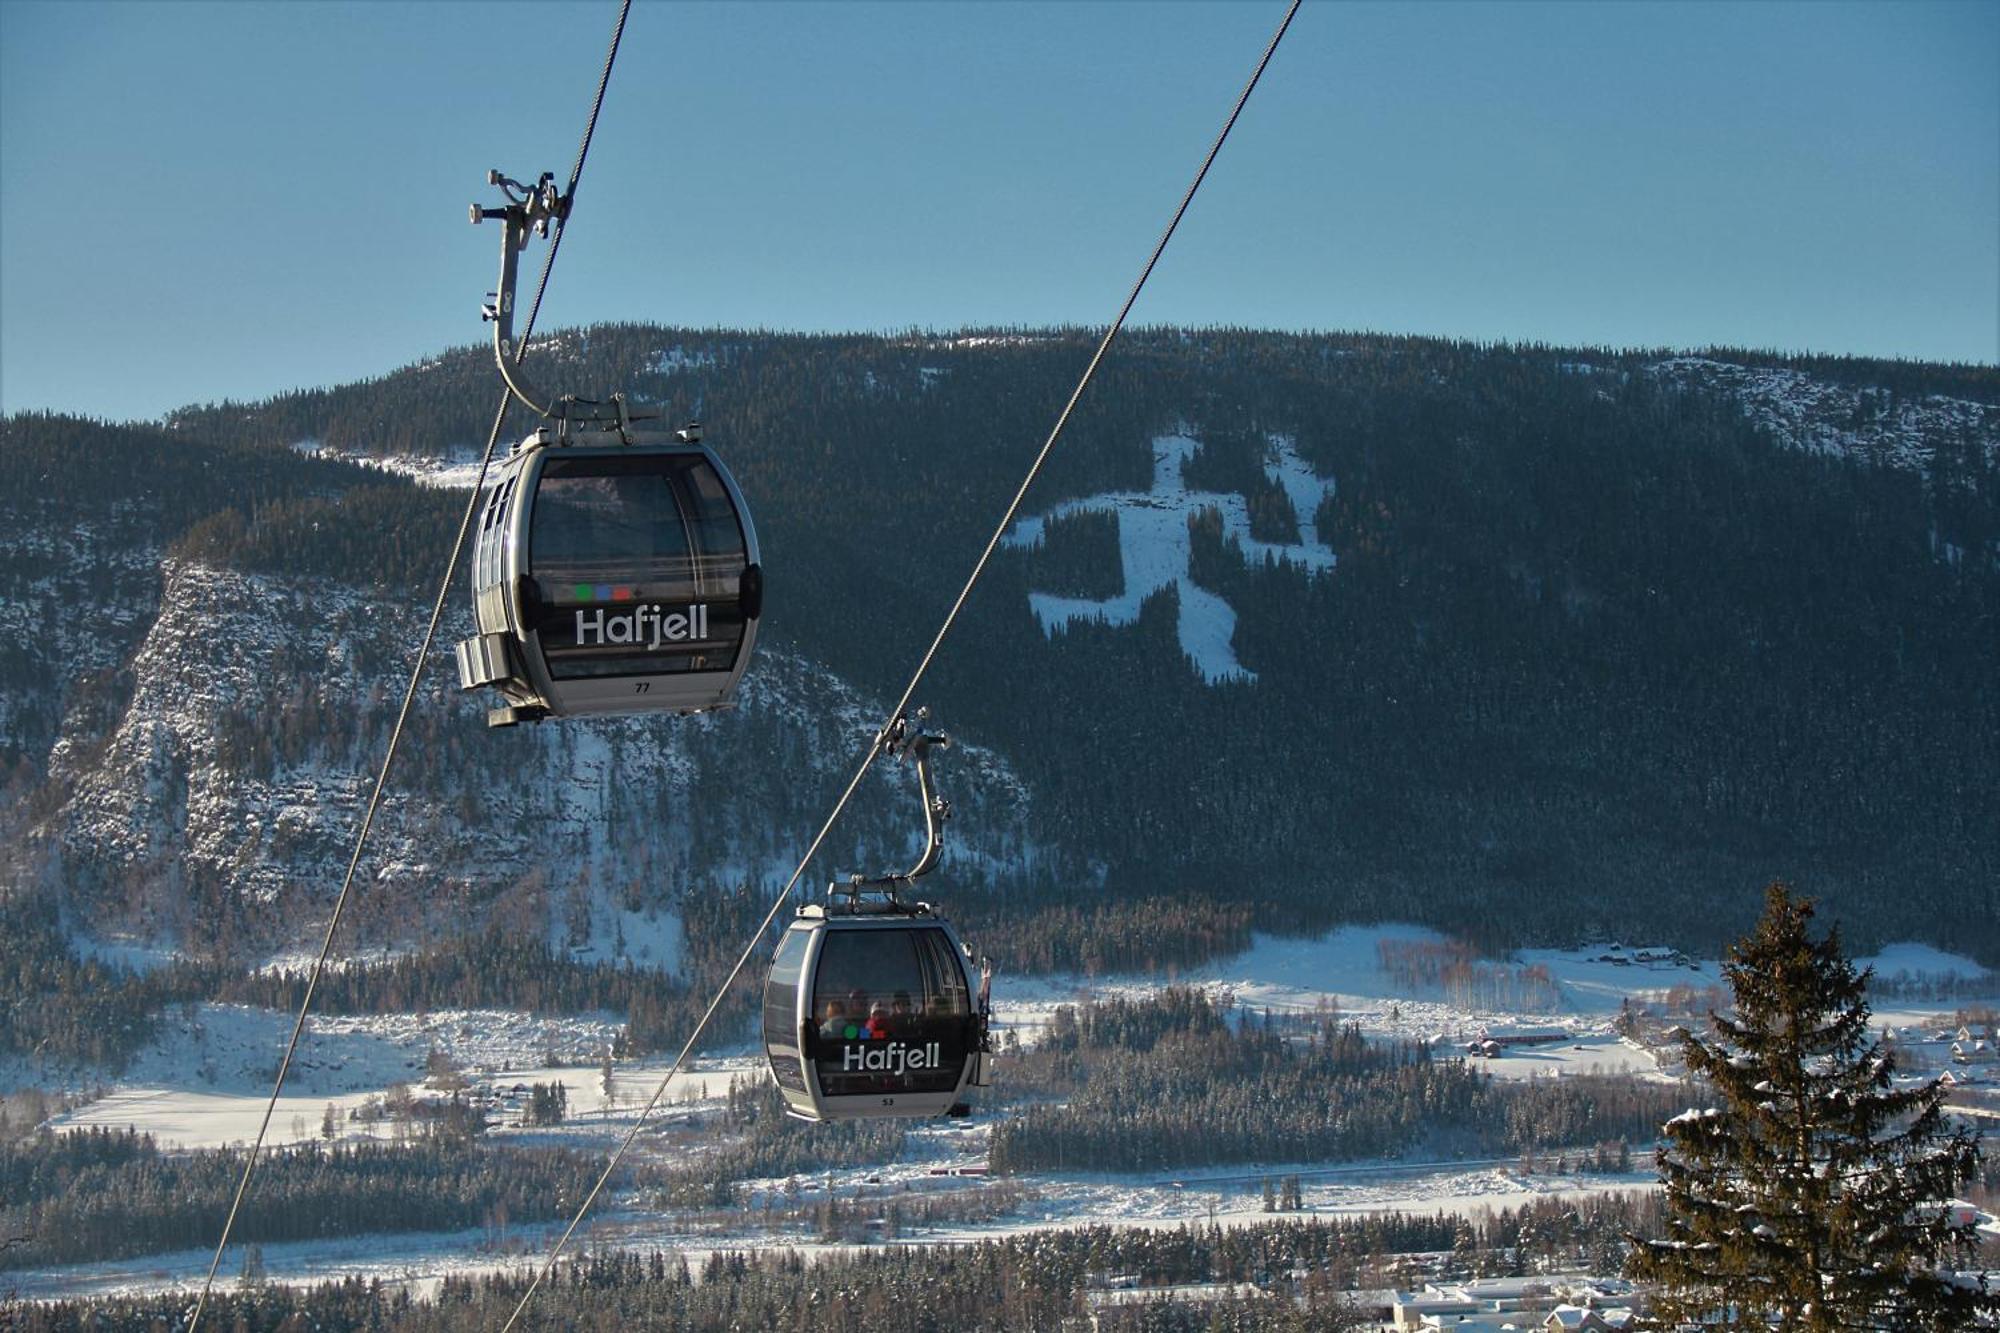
(1810, 1198)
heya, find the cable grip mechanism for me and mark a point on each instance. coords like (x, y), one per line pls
(528, 211)
(906, 739)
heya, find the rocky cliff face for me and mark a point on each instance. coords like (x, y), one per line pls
(230, 786)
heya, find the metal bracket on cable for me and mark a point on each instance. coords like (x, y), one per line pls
(903, 740)
(528, 212)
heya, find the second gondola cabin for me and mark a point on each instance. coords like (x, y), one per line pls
(613, 573)
(873, 1013)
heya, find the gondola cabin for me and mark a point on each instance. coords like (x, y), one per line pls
(873, 1013)
(611, 577)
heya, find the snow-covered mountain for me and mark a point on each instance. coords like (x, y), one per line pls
(1524, 643)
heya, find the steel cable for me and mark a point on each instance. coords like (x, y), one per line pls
(902, 703)
(354, 861)
(410, 692)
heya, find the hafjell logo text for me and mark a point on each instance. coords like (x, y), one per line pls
(894, 1058)
(648, 625)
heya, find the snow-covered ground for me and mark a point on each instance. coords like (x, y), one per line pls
(1820, 416)
(1154, 548)
(187, 1084)
(135, 954)
(458, 470)
(1341, 975)
(420, 1260)
(205, 1080)
(185, 1117)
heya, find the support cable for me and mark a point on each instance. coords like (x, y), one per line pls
(409, 699)
(902, 703)
(354, 861)
(575, 174)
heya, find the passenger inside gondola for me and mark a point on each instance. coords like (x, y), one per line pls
(833, 1022)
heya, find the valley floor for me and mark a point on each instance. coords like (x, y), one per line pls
(205, 1081)
(421, 1259)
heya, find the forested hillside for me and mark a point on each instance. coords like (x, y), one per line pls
(1588, 643)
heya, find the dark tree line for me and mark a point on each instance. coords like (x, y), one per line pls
(493, 970)
(548, 1104)
(85, 1197)
(387, 537)
(1036, 1280)
(1177, 1084)
(1151, 934)
(60, 1009)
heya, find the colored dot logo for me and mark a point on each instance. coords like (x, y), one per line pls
(603, 592)
(852, 1032)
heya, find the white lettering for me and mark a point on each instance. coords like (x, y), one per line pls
(648, 625)
(892, 1058)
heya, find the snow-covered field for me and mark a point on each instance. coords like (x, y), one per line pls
(420, 1260)
(205, 1080)
(1341, 975)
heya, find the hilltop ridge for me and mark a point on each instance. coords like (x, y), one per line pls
(1600, 641)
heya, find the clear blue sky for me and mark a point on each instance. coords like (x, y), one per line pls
(200, 201)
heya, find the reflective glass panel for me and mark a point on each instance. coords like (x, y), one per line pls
(890, 1012)
(621, 585)
(781, 997)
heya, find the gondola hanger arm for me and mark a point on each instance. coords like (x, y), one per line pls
(901, 739)
(528, 212)
(916, 744)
